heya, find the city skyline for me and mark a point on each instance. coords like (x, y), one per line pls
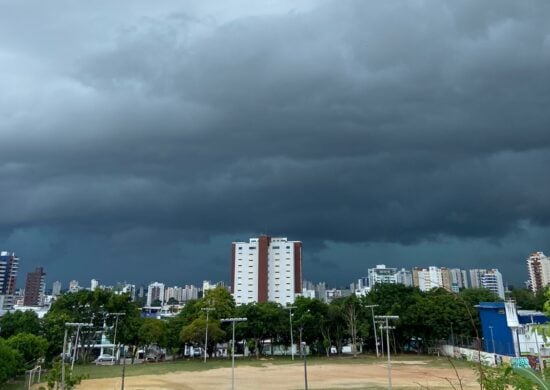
(393, 132)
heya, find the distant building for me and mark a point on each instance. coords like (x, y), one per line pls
(56, 288)
(427, 278)
(35, 288)
(538, 266)
(457, 279)
(74, 286)
(155, 292)
(9, 263)
(189, 292)
(266, 269)
(94, 283)
(382, 274)
(490, 279)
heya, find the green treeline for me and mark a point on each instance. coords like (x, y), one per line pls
(424, 317)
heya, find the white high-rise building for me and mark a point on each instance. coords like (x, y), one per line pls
(492, 280)
(428, 278)
(457, 279)
(266, 269)
(155, 292)
(538, 265)
(56, 288)
(94, 283)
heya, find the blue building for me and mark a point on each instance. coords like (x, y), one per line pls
(507, 331)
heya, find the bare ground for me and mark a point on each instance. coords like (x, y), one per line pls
(281, 377)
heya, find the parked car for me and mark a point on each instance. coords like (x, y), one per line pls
(104, 359)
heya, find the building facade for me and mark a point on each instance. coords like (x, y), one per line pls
(155, 292)
(9, 264)
(491, 279)
(35, 288)
(383, 274)
(538, 266)
(266, 269)
(56, 288)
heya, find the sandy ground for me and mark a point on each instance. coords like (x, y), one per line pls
(271, 377)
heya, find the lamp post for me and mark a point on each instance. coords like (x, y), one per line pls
(380, 324)
(78, 325)
(374, 327)
(207, 310)
(387, 327)
(289, 308)
(492, 338)
(303, 353)
(114, 338)
(233, 320)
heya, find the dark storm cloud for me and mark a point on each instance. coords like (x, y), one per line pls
(155, 129)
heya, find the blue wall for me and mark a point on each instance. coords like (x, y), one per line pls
(494, 314)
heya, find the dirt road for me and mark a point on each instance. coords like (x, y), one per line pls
(281, 377)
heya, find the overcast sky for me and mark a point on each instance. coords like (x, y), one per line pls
(138, 139)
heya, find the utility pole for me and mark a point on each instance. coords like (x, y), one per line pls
(78, 325)
(387, 327)
(114, 338)
(289, 308)
(303, 354)
(207, 310)
(233, 320)
(374, 327)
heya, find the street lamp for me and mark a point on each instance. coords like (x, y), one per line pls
(374, 326)
(492, 338)
(289, 308)
(207, 310)
(303, 353)
(387, 327)
(233, 320)
(78, 325)
(114, 338)
(380, 324)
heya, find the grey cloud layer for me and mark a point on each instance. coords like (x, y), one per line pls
(351, 122)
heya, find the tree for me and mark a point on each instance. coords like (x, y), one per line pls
(54, 376)
(195, 332)
(525, 299)
(91, 307)
(152, 331)
(315, 317)
(264, 320)
(10, 361)
(156, 302)
(354, 315)
(19, 322)
(30, 346)
(220, 299)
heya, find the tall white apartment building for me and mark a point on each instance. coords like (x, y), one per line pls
(174, 292)
(492, 280)
(266, 269)
(457, 279)
(427, 278)
(94, 283)
(155, 291)
(190, 292)
(56, 288)
(538, 266)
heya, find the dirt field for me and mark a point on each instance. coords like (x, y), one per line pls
(324, 376)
